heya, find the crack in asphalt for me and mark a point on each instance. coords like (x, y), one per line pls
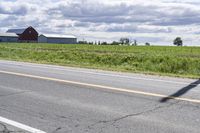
(57, 129)
(6, 130)
(12, 94)
(113, 121)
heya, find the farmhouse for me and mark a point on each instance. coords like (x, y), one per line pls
(8, 37)
(25, 35)
(59, 39)
(30, 35)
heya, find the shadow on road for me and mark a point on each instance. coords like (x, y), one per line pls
(181, 91)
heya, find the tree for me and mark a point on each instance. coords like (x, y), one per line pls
(135, 43)
(124, 41)
(115, 43)
(104, 43)
(147, 44)
(99, 43)
(91, 43)
(178, 41)
(82, 42)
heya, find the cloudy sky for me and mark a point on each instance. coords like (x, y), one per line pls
(154, 21)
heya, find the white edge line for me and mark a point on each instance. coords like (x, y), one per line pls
(95, 73)
(20, 126)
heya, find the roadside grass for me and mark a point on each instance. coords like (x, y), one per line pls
(159, 60)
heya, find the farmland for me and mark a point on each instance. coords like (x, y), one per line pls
(159, 60)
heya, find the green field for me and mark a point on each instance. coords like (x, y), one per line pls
(171, 61)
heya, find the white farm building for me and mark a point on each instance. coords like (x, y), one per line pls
(8, 37)
(58, 39)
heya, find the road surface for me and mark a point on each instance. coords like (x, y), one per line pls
(38, 98)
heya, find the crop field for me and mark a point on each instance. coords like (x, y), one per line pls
(160, 60)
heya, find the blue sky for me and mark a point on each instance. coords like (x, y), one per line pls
(155, 21)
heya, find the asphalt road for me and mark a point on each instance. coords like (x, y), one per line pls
(57, 99)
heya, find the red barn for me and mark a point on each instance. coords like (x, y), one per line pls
(25, 35)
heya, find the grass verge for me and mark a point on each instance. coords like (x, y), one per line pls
(169, 61)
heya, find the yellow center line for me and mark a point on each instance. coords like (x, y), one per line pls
(102, 87)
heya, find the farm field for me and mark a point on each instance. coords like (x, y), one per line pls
(159, 60)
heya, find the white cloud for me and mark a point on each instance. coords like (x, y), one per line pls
(156, 21)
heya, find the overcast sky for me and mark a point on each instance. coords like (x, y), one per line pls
(154, 21)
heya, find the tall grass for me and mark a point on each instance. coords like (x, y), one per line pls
(177, 61)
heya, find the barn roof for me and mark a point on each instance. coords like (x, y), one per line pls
(8, 35)
(58, 36)
(16, 31)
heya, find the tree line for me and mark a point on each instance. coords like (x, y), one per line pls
(126, 41)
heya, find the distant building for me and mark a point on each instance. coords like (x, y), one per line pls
(8, 37)
(25, 35)
(29, 34)
(58, 39)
